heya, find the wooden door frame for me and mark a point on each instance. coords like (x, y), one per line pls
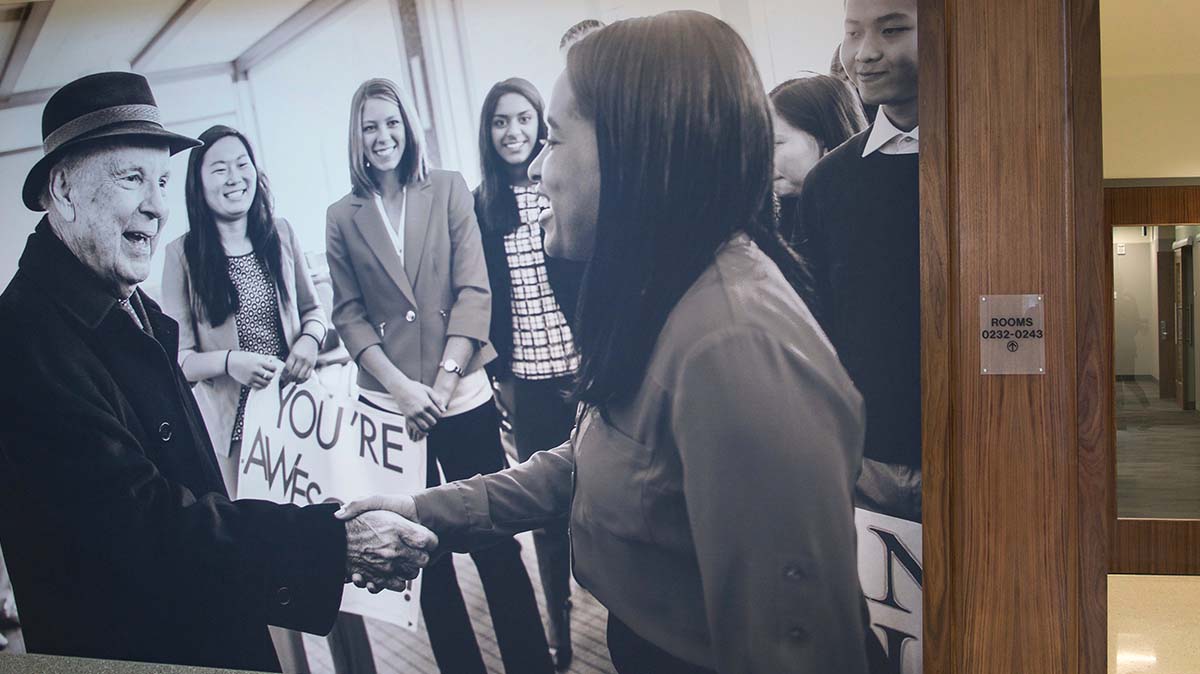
(1143, 545)
(959, 634)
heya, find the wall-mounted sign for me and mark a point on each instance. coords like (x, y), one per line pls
(1012, 334)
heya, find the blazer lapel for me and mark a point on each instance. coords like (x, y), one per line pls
(416, 227)
(370, 224)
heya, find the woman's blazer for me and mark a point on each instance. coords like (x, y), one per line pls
(409, 308)
(218, 397)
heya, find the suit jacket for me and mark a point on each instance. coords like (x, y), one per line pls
(565, 278)
(410, 308)
(218, 397)
(117, 531)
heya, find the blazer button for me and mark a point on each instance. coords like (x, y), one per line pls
(792, 572)
(410, 316)
(164, 431)
(797, 634)
(284, 596)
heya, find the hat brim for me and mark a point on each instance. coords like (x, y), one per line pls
(31, 193)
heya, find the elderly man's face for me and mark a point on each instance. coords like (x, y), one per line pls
(116, 210)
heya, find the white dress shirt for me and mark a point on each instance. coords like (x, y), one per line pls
(886, 138)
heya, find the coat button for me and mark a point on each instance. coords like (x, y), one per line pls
(164, 431)
(796, 634)
(284, 596)
(410, 316)
(791, 572)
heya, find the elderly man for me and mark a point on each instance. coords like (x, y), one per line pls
(120, 538)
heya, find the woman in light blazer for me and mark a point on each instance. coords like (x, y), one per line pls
(240, 290)
(413, 306)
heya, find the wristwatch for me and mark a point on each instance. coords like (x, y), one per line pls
(450, 365)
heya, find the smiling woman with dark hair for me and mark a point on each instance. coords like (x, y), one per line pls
(239, 287)
(533, 302)
(709, 481)
(812, 116)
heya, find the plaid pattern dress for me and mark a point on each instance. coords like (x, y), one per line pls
(543, 347)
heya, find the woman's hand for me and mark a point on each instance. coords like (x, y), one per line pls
(300, 361)
(253, 369)
(418, 403)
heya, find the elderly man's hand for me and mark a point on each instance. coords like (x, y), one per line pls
(385, 550)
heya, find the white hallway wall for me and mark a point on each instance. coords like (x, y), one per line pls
(1136, 329)
(1150, 126)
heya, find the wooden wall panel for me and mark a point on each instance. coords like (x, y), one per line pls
(1014, 503)
(936, 341)
(1126, 205)
(1152, 205)
(1094, 391)
(1021, 503)
(1157, 546)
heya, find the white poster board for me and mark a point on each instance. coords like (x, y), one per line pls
(889, 568)
(305, 445)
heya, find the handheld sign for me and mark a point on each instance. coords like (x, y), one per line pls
(889, 568)
(303, 445)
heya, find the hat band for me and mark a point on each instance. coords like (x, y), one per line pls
(98, 118)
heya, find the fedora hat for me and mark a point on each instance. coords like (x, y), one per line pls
(104, 105)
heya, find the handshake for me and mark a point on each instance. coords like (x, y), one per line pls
(385, 547)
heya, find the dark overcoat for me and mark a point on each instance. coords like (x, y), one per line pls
(115, 524)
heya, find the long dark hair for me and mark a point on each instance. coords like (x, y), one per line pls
(684, 142)
(216, 298)
(499, 206)
(821, 106)
(827, 109)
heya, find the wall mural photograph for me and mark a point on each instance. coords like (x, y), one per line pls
(463, 337)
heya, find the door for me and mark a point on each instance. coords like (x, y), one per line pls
(1166, 325)
(1156, 512)
(1185, 391)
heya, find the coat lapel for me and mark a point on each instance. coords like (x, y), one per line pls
(370, 224)
(416, 227)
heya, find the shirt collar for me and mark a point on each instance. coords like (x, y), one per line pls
(50, 264)
(883, 132)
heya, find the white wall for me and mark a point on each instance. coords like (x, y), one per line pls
(1150, 126)
(1136, 315)
(187, 107)
(301, 101)
(520, 38)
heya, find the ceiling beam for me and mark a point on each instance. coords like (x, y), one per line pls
(293, 28)
(37, 96)
(177, 23)
(27, 36)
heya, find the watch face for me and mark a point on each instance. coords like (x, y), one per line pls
(450, 365)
